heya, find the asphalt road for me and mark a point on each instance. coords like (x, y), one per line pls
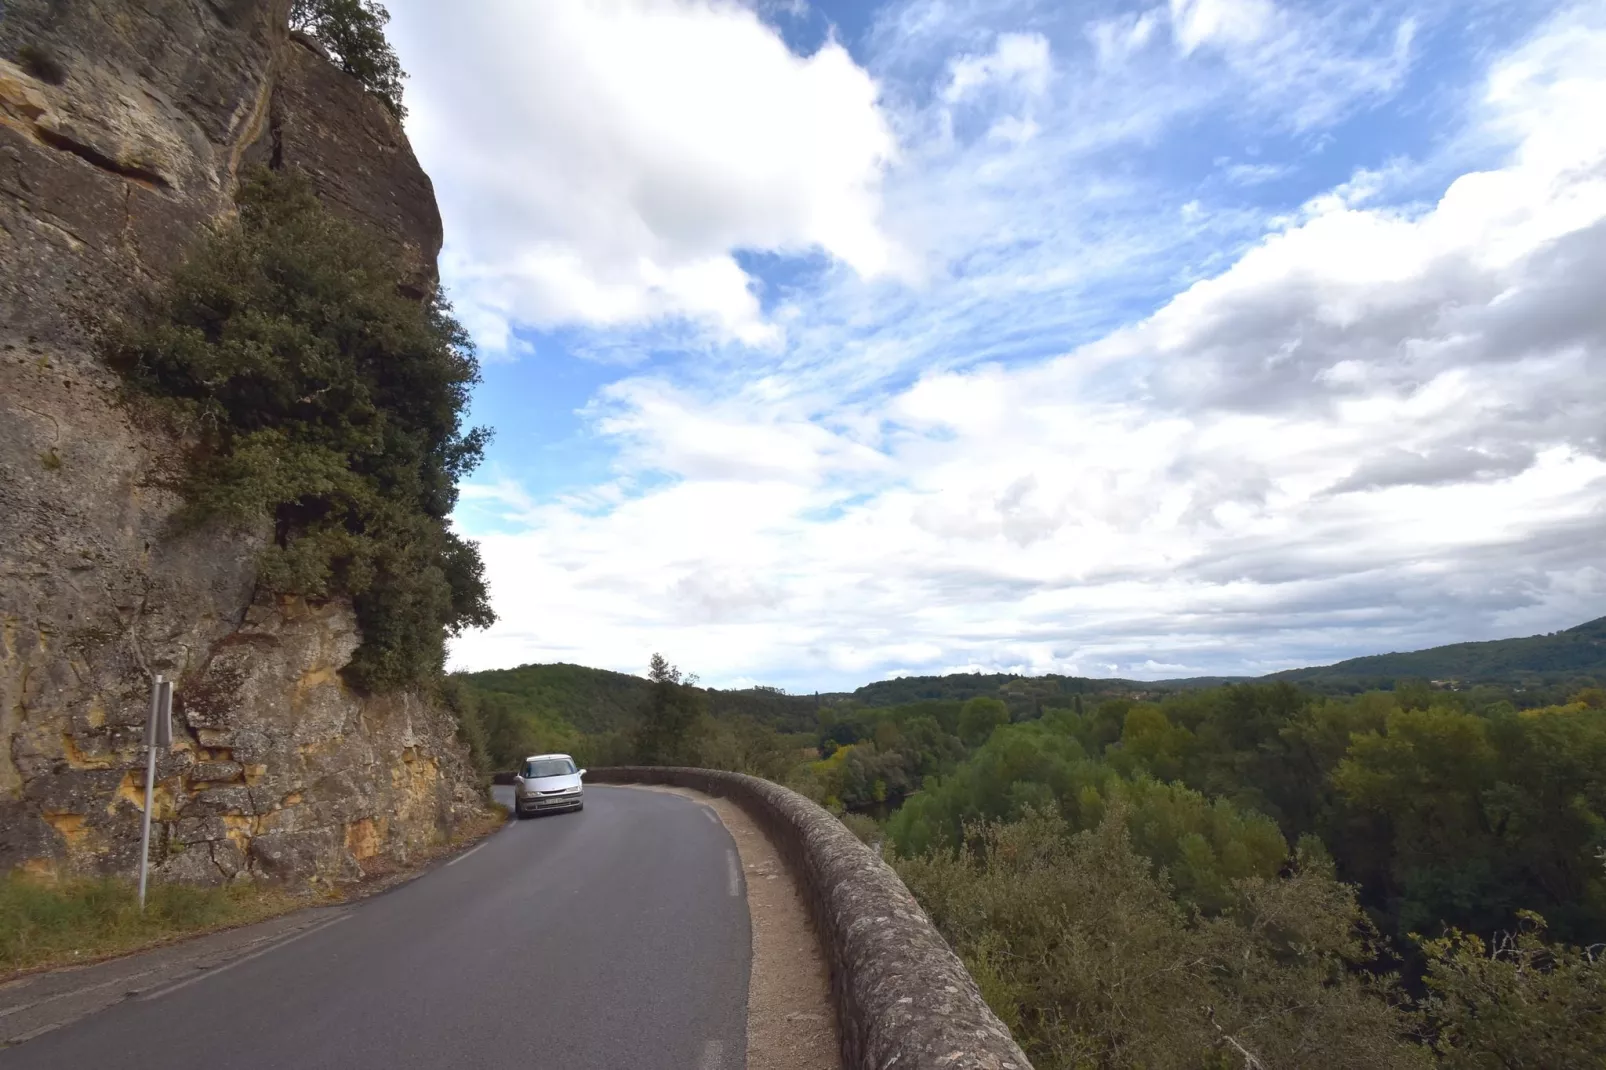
(615, 937)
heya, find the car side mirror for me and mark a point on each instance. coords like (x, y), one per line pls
(581, 773)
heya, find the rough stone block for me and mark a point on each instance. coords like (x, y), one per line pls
(229, 799)
(295, 856)
(216, 772)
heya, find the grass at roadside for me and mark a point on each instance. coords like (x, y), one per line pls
(66, 922)
(58, 923)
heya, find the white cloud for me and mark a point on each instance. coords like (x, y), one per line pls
(1225, 22)
(1022, 60)
(1117, 39)
(599, 164)
(1378, 427)
(1253, 174)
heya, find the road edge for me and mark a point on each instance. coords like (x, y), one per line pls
(791, 1021)
(902, 997)
(346, 895)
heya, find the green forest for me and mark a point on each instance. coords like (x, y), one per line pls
(1531, 661)
(1238, 875)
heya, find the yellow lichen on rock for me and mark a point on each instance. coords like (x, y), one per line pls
(70, 827)
(40, 868)
(416, 777)
(314, 678)
(77, 759)
(21, 102)
(366, 837)
(240, 828)
(131, 789)
(315, 747)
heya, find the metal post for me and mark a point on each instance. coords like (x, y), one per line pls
(150, 787)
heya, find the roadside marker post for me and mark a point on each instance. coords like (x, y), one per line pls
(158, 733)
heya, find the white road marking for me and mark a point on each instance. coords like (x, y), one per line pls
(708, 813)
(123, 980)
(465, 854)
(215, 970)
(713, 1055)
(733, 872)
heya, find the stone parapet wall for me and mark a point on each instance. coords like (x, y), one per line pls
(903, 998)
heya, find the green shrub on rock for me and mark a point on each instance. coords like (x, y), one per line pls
(354, 33)
(324, 402)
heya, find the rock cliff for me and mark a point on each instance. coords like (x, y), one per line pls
(123, 127)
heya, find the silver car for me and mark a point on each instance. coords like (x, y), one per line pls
(547, 782)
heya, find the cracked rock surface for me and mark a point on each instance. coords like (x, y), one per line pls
(124, 125)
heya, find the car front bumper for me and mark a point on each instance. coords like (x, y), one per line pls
(532, 804)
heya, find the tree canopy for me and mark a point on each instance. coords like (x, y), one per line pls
(325, 408)
(354, 33)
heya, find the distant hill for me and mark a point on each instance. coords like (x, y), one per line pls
(1025, 695)
(962, 686)
(1536, 660)
(592, 700)
(1579, 651)
(599, 700)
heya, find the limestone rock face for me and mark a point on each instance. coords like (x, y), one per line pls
(356, 154)
(124, 125)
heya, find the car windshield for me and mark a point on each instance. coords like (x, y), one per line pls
(548, 767)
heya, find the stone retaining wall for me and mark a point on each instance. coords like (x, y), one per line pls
(903, 999)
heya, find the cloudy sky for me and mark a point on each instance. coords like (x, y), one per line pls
(829, 341)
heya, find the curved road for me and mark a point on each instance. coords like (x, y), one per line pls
(614, 937)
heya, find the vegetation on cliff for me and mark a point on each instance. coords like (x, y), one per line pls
(354, 33)
(326, 406)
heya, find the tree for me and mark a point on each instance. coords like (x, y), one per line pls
(354, 33)
(743, 745)
(670, 716)
(1078, 945)
(1524, 1003)
(1481, 815)
(978, 718)
(324, 408)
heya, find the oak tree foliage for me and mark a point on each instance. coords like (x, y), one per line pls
(1519, 1002)
(354, 33)
(325, 407)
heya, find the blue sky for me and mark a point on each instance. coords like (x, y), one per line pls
(831, 341)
